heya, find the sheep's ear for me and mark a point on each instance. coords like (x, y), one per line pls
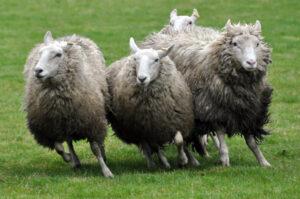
(48, 38)
(228, 25)
(258, 26)
(173, 13)
(73, 38)
(195, 15)
(70, 43)
(133, 46)
(165, 51)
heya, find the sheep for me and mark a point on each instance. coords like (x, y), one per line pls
(179, 23)
(65, 96)
(151, 104)
(186, 24)
(227, 77)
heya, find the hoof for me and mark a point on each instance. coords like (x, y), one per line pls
(77, 166)
(225, 163)
(195, 163)
(67, 157)
(107, 173)
(265, 164)
(151, 165)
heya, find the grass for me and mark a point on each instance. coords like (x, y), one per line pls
(29, 171)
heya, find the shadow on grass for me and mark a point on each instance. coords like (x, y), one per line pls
(128, 165)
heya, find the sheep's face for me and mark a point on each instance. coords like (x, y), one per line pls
(51, 55)
(50, 58)
(147, 63)
(179, 23)
(245, 47)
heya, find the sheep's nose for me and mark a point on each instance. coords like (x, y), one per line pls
(142, 78)
(251, 62)
(38, 73)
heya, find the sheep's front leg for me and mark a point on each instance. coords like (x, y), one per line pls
(59, 148)
(163, 159)
(190, 157)
(75, 161)
(202, 141)
(102, 148)
(254, 148)
(182, 159)
(146, 151)
(224, 155)
(96, 148)
(215, 140)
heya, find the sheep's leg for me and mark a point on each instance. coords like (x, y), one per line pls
(215, 140)
(254, 148)
(202, 142)
(146, 151)
(61, 151)
(205, 140)
(190, 157)
(182, 159)
(75, 161)
(102, 148)
(163, 159)
(224, 155)
(96, 148)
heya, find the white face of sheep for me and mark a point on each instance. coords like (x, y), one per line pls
(246, 47)
(147, 62)
(51, 56)
(179, 23)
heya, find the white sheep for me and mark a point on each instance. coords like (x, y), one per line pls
(180, 23)
(151, 103)
(65, 96)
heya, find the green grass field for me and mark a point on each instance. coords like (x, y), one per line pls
(29, 171)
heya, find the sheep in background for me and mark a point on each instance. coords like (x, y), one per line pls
(227, 77)
(65, 96)
(151, 104)
(179, 23)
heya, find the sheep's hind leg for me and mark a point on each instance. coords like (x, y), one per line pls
(202, 143)
(96, 148)
(102, 148)
(61, 151)
(75, 161)
(205, 140)
(182, 159)
(163, 159)
(224, 155)
(146, 151)
(190, 157)
(258, 154)
(215, 140)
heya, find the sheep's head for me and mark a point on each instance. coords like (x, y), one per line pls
(182, 22)
(244, 43)
(51, 55)
(147, 62)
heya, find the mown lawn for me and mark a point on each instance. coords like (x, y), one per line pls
(29, 171)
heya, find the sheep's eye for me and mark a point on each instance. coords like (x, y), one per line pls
(156, 60)
(234, 44)
(134, 59)
(257, 44)
(190, 23)
(58, 55)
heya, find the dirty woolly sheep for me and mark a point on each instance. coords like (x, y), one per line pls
(65, 96)
(151, 104)
(227, 77)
